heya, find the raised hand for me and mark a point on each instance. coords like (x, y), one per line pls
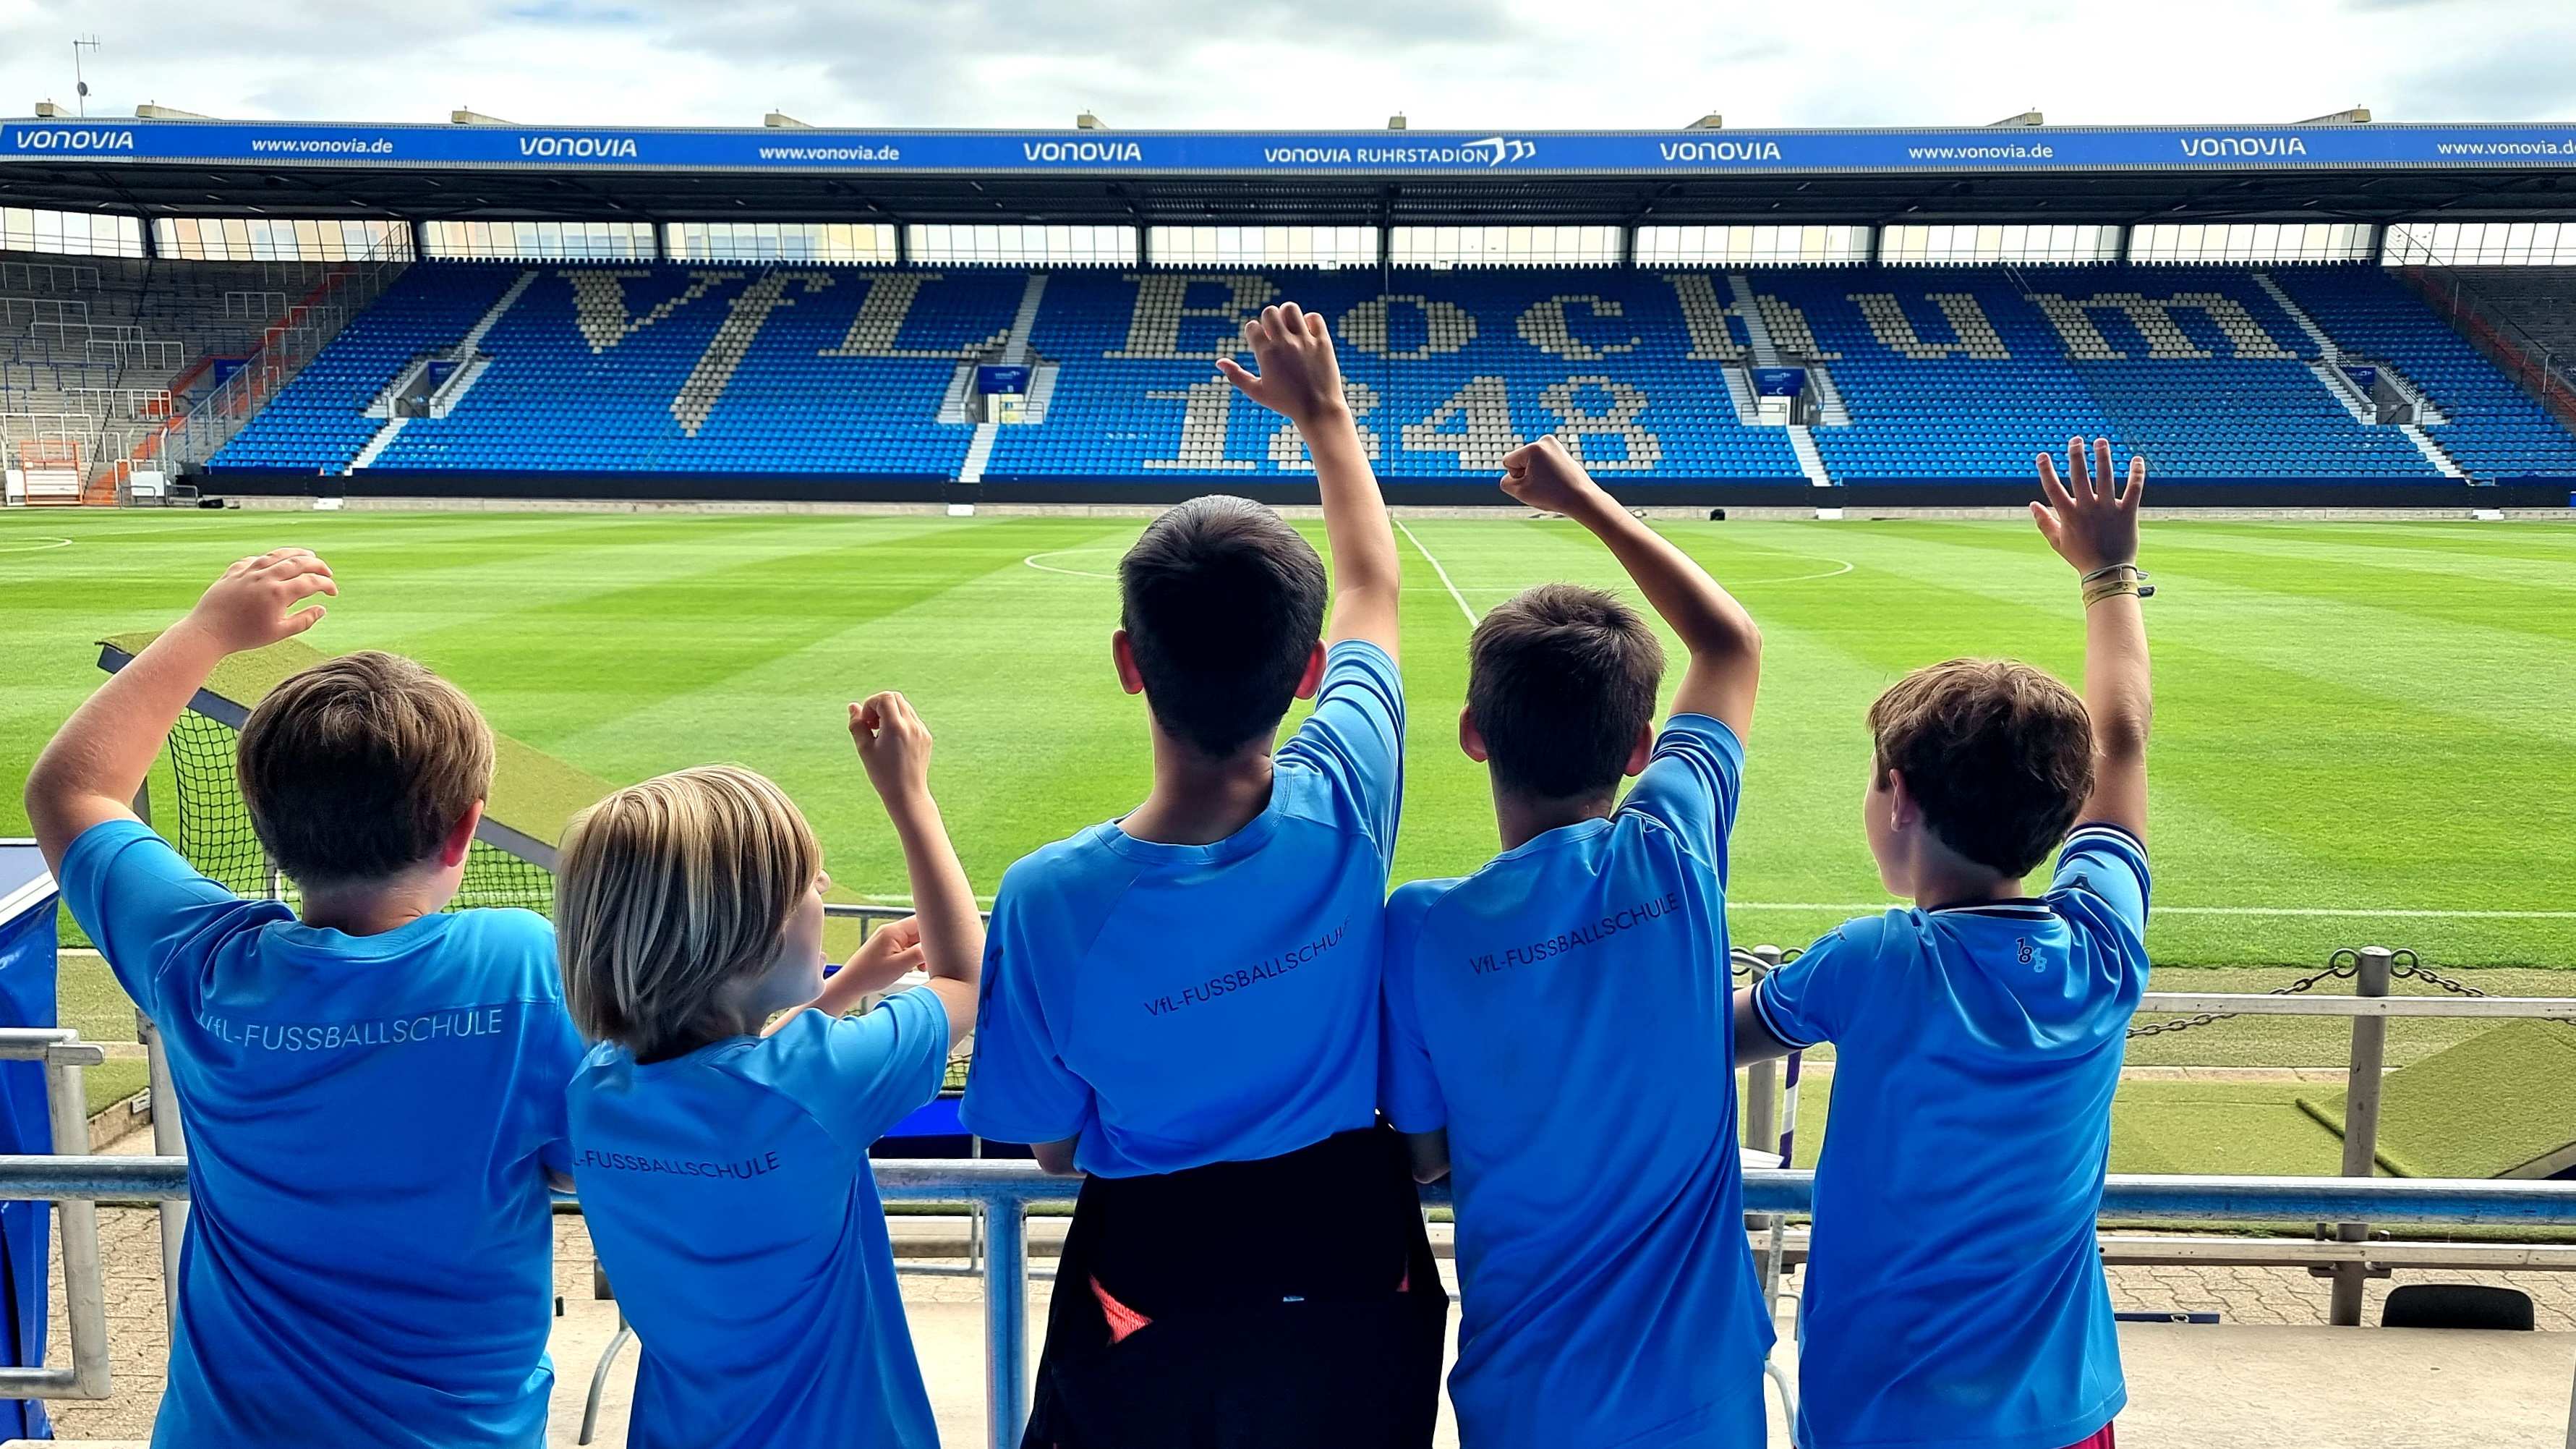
(2087, 518)
(1546, 477)
(894, 745)
(1299, 379)
(891, 952)
(248, 607)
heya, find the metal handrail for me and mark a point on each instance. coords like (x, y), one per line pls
(1007, 1190)
(64, 1055)
(2562, 1008)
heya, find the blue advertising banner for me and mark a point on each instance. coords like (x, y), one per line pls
(999, 378)
(27, 964)
(2364, 378)
(1391, 153)
(1779, 381)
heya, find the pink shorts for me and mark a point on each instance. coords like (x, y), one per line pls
(2101, 1440)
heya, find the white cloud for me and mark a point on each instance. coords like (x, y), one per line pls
(1322, 64)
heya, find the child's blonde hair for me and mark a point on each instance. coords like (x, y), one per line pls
(669, 889)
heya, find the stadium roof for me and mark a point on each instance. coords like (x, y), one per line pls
(2331, 172)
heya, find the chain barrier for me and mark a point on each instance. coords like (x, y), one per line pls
(1742, 963)
(2339, 966)
(2404, 962)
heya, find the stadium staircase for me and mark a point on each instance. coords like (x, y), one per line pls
(2494, 429)
(1918, 376)
(109, 359)
(470, 364)
(1015, 353)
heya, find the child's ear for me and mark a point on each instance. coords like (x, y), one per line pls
(1123, 655)
(1313, 678)
(460, 838)
(1642, 751)
(1902, 810)
(1471, 740)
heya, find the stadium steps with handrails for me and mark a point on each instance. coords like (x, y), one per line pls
(2432, 451)
(2298, 315)
(961, 391)
(1802, 441)
(1757, 332)
(1041, 392)
(1015, 352)
(471, 366)
(979, 453)
(2336, 381)
(1831, 410)
(1739, 390)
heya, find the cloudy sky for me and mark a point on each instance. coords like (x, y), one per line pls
(1326, 63)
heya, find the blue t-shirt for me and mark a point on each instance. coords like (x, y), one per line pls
(1954, 1295)
(729, 1194)
(1566, 1013)
(1177, 1005)
(370, 1250)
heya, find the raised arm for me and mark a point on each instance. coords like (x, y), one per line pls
(99, 758)
(895, 746)
(1301, 381)
(2093, 525)
(1725, 666)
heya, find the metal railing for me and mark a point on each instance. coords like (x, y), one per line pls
(1005, 1191)
(292, 339)
(64, 1055)
(2546, 373)
(1000, 1192)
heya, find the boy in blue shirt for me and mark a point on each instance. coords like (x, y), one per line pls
(723, 1156)
(1607, 1293)
(1182, 1003)
(1954, 1295)
(373, 1093)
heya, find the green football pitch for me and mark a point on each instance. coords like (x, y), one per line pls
(2362, 729)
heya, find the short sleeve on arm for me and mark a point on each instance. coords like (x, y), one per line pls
(554, 1053)
(859, 1075)
(1355, 737)
(1809, 1000)
(1019, 1089)
(143, 904)
(2109, 864)
(1408, 1090)
(1692, 781)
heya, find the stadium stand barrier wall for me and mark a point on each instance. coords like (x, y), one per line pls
(2328, 386)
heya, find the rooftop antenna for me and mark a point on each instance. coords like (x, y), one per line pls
(80, 82)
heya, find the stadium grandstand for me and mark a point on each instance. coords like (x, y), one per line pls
(2347, 313)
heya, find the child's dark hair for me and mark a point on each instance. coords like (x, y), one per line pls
(357, 768)
(1222, 603)
(1561, 681)
(1998, 754)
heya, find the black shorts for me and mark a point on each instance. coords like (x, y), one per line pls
(1281, 1304)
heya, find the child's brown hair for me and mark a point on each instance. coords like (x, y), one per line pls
(357, 768)
(1561, 682)
(1998, 754)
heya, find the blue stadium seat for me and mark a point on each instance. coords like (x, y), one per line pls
(1948, 374)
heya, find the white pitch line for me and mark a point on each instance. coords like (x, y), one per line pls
(43, 542)
(1032, 562)
(2357, 913)
(1437, 569)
